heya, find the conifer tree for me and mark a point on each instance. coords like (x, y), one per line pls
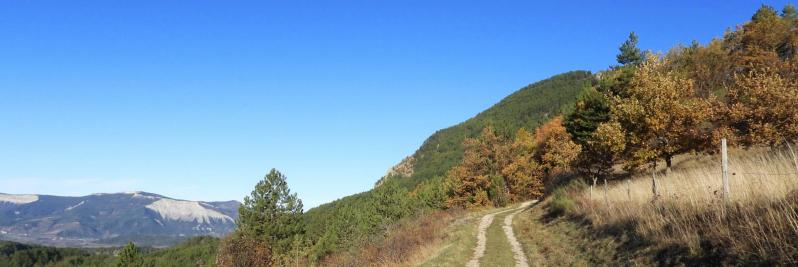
(272, 212)
(630, 54)
(129, 256)
(789, 12)
(591, 110)
(764, 12)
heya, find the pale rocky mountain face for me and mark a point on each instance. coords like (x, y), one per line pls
(111, 219)
(403, 169)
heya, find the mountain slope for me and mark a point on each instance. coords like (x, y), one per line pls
(348, 222)
(111, 219)
(526, 108)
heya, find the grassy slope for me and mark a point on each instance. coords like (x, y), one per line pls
(691, 224)
(458, 248)
(559, 241)
(687, 225)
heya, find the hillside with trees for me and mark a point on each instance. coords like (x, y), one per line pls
(526, 108)
(198, 251)
(625, 163)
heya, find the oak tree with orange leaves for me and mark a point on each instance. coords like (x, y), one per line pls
(661, 114)
(523, 174)
(762, 108)
(555, 148)
(471, 179)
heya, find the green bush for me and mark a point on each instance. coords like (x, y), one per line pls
(561, 202)
(431, 194)
(498, 191)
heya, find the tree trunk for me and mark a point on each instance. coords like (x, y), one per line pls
(592, 186)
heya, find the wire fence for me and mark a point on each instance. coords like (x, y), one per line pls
(762, 173)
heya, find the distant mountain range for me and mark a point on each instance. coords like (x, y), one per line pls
(111, 219)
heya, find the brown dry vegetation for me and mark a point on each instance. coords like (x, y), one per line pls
(692, 223)
(244, 250)
(407, 243)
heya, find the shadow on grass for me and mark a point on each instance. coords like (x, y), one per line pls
(632, 245)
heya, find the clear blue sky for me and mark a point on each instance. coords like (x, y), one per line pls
(198, 101)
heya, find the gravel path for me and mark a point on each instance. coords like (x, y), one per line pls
(479, 250)
(486, 221)
(518, 251)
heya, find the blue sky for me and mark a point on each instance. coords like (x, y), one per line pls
(198, 101)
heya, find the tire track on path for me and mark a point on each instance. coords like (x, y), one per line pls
(518, 250)
(484, 223)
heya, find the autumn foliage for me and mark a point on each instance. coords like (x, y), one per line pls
(661, 114)
(555, 148)
(495, 170)
(763, 107)
(523, 173)
(244, 250)
(470, 180)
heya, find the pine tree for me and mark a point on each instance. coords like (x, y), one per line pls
(765, 12)
(129, 256)
(591, 110)
(272, 212)
(789, 12)
(630, 54)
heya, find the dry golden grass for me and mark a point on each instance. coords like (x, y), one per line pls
(407, 243)
(759, 223)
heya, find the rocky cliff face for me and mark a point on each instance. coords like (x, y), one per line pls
(111, 219)
(403, 169)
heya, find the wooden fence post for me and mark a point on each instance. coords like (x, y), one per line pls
(725, 166)
(792, 153)
(606, 199)
(654, 180)
(629, 188)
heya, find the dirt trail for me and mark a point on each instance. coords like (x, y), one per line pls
(485, 222)
(518, 251)
(479, 250)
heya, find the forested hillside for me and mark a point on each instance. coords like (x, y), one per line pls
(349, 221)
(526, 108)
(554, 140)
(198, 251)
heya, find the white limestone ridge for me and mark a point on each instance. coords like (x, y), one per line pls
(139, 194)
(187, 211)
(18, 199)
(75, 206)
